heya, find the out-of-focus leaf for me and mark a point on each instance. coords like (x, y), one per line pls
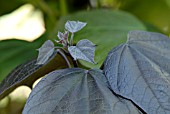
(168, 2)
(45, 52)
(76, 91)
(106, 29)
(84, 50)
(155, 12)
(15, 52)
(28, 73)
(74, 26)
(6, 6)
(140, 70)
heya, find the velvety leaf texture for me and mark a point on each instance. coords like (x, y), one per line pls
(84, 50)
(45, 52)
(74, 26)
(76, 91)
(27, 73)
(14, 52)
(140, 70)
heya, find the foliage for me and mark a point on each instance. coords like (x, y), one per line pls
(130, 68)
(138, 70)
(131, 65)
(105, 34)
(76, 91)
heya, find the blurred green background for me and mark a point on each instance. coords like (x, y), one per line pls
(26, 24)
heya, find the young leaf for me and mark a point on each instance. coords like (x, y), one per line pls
(45, 52)
(140, 70)
(84, 50)
(28, 73)
(105, 33)
(74, 26)
(63, 38)
(76, 91)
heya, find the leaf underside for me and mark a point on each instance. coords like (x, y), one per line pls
(28, 73)
(140, 70)
(76, 91)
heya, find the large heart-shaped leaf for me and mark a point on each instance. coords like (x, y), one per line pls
(105, 28)
(76, 91)
(29, 72)
(140, 70)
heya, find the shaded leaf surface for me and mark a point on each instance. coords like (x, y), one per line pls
(29, 72)
(84, 50)
(7, 8)
(104, 33)
(140, 70)
(76, 91)
(45, 52)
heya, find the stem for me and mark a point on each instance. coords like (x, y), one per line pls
(71, 39)
(98, 4)
(75, 63)
(65, 58)
(61, 48)
(63, 7)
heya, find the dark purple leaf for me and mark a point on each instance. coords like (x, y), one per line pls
(140, 70)
(76, 91)
(28, 73)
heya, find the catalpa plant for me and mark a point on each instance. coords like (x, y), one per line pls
(134, 78)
